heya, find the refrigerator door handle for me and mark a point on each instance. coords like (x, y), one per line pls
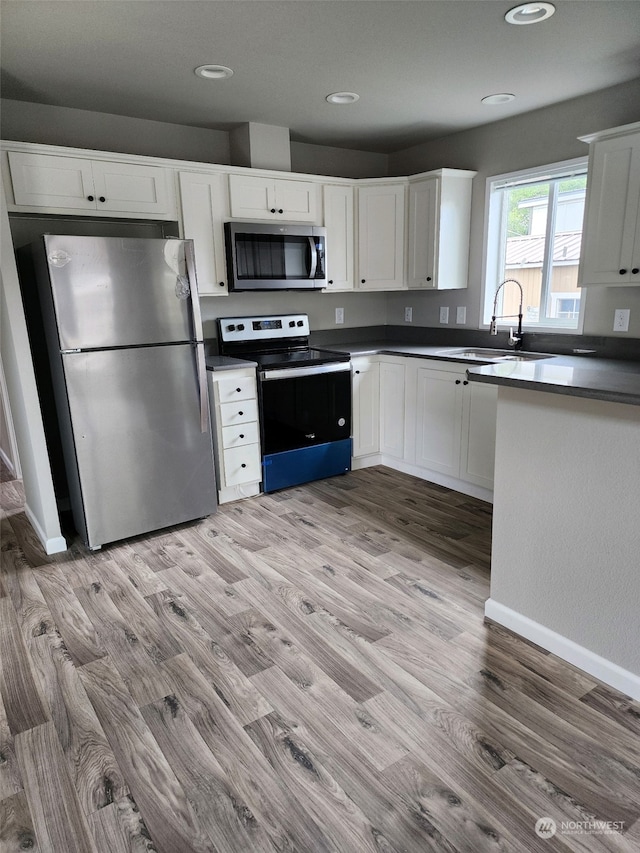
(197, 333)
(202, 384)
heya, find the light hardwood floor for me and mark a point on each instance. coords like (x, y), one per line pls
(308, 671)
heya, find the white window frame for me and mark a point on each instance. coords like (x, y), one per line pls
(492, 234)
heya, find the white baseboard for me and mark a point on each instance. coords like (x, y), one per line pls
(9, 464)
(605, 670)
(53, 545)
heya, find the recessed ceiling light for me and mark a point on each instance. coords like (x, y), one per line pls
(501, 98)
(213, 72)
(343, 98)
(530, 13)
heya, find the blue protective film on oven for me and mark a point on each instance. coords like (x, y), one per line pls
(292, 467)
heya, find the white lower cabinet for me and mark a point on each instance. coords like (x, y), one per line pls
(392, 406)
(365, 418)
(425, 417)
(234, 414)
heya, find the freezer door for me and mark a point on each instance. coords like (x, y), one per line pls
(112, 291)
(143, 461)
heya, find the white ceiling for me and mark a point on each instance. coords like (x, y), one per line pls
(420, 68)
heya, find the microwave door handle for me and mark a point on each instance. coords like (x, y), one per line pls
(314, 257)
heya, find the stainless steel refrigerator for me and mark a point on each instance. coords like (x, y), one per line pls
(123, 329)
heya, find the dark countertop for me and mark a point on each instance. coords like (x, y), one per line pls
(225, 362)
(607, 379)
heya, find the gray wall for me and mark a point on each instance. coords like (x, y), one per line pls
(23, 121)
(537, 138)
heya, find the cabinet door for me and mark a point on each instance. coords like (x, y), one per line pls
(265, 198)
(338, 220)
(365, 406)
(479, 434)
(439, 420)
(381, 237)
(296, 200)
(204, 211)
(129, 188)
(610, 244)
(251, 197)
(43, 180)
(423, 225)
(392, 408)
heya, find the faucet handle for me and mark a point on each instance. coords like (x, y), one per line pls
(514, 340)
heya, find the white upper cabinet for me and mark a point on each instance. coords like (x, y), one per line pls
(75, 184)
(205, 208)
(338, 220)
(381, 216)
(273, 199)
(439, 222)
(611, 233)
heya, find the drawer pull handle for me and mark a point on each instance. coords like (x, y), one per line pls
(102, 198)
(623, 272)
(357, 372)
(635, 270)
(458, 381)
(241, 435)
(243, 465)
(241, 413)
(90, 198)
(221, 283)
(465, 382)
(238, 390)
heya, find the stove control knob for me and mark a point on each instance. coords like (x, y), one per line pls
(231, 328)
(292, 323)
(300, 323)
(241, 327)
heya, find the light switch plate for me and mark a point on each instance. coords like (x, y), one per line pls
(444, 315)
(339, 316)
(408, 315)
(461, 315)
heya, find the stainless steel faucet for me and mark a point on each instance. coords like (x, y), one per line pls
(514, 340)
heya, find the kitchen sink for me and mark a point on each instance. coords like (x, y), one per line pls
(487, 354)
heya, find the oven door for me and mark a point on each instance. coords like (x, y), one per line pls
(306, 424)
(305, 406)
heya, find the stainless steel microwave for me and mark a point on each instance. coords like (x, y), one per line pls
(265, 256)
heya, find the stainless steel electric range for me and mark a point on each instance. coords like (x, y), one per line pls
(304, 397)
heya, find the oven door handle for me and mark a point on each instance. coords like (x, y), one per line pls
(295, 372)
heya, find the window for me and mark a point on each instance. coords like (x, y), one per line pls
(534, 233)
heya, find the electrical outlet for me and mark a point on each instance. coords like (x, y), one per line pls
(444, 315)
(621, 320)
(339, 316)
(408, 315)
(461, 315)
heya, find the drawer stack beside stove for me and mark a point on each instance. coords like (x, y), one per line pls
(234, 404)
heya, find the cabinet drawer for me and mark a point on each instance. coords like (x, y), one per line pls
(242, 465)
(236, 389)
(240, 434)
(239, 412)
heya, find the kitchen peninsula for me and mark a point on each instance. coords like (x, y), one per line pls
(566, 523)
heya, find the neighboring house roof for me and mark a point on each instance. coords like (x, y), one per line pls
(529, 250)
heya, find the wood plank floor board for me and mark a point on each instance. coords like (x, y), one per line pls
(168, 815)
(91, 764)
(24, 704)
(287, 824)
(308, 671)
(340, 818)
(10, 778)
(222, 813)
(71, 621)
(137, 663)
(58, 820)
(16, 827)
(358, 686)
(231, 684)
